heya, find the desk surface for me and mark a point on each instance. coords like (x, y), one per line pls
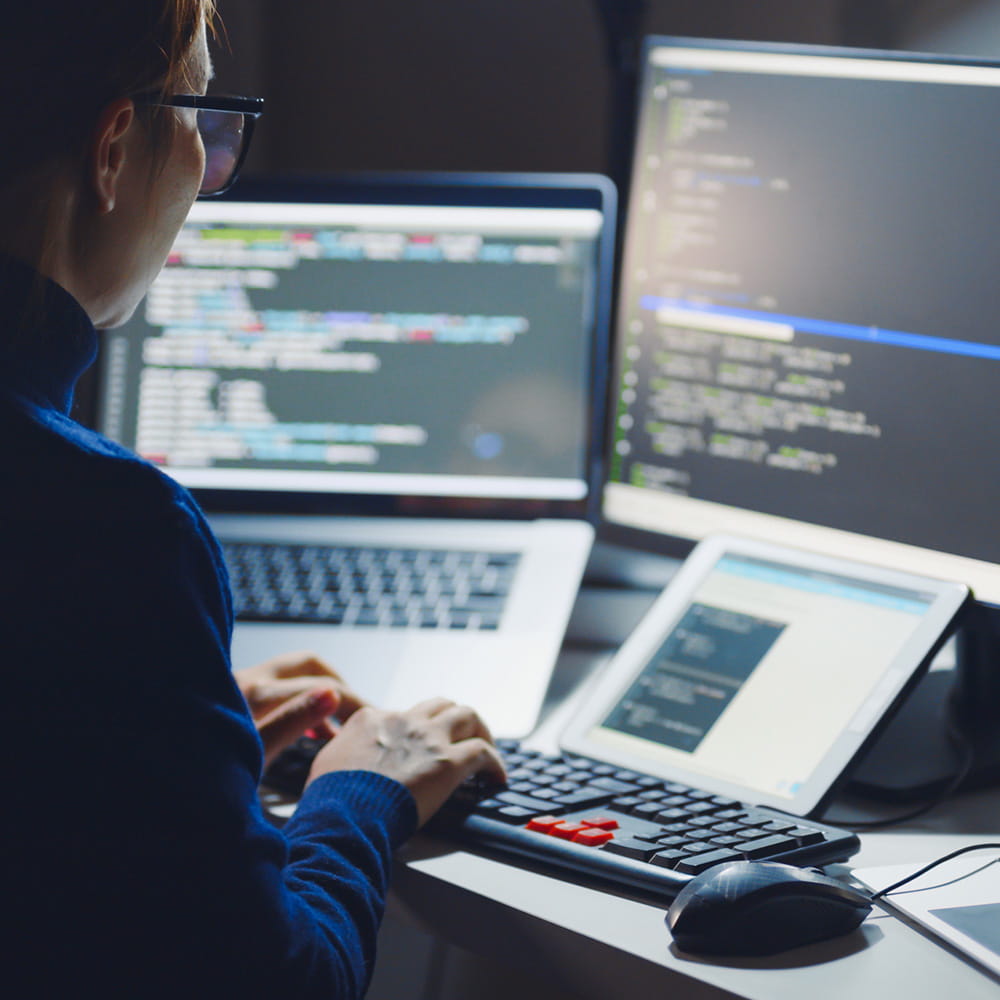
(590, 942)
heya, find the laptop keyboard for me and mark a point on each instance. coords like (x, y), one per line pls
(634, 831)
(367, 586)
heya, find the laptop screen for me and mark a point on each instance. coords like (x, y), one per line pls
(411, 343)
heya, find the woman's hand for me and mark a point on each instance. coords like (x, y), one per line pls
(294, 693)
(430, 749)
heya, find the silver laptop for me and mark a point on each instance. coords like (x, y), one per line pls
(408, 370)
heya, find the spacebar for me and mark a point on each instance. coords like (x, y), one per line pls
(527, 802)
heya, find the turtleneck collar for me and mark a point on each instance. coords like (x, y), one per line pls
(47, 341)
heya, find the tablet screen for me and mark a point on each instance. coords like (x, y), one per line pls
(763, 671)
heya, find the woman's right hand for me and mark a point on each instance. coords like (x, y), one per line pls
(431, 749)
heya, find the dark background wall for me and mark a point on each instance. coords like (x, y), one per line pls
(487, 84)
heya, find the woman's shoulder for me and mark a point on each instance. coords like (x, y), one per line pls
(54, 466)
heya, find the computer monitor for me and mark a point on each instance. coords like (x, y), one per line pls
(807, 337)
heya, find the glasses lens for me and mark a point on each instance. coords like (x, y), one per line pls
(222, 135)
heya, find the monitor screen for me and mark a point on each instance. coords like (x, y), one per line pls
(807, 344)
(434, 343)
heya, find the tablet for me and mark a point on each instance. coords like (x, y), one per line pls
(762, 672)
(958, 902)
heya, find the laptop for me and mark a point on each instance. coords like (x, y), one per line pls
(408, 369)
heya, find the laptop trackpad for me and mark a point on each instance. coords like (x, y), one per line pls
(368, 661)
(504, 679)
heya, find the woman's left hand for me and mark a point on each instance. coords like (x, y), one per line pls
(293, 693)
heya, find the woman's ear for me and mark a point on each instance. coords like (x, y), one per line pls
(108, 152)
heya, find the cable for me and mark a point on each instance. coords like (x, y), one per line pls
(965, 747)
(934, 864)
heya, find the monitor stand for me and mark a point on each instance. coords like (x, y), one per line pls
(915, 758)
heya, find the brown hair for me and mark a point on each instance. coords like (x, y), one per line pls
(63, 61)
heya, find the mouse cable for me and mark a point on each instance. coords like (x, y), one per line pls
(967, 750)
(934, 864)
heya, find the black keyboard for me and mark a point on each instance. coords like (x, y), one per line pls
(627, 829)
(366, 586)
(624, 829)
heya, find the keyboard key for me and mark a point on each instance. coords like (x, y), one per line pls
(592, 837)
(559, 770)
(630, 847)
(647, 810)
(626, 803)
(545, 793)
(696, 864)
(731, 814)
(701, 807)
(567, 831)
(600, 822)
(520, 774)
(729, 828)
(671, 841)
(524, 787)
(669, 858)
(765, 846)
(670, 815)
(681, 828)
(652, 837)
(614, 785)
(514, 814)
(647, 781)
(693, 847)
(778, 826)
(584, 798)
(525, 801)
(727, 840)
(805, 835)
(754, 817)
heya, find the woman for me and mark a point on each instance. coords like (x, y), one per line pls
(136, 860)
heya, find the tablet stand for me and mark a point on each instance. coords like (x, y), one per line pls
(916, 758)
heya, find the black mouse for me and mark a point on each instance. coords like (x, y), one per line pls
(762, 907)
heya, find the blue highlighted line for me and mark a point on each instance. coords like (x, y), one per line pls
(826, 585)
(845, 331)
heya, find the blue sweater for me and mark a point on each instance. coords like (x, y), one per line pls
(136, 860)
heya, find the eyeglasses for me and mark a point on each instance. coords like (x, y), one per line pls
(225, 125)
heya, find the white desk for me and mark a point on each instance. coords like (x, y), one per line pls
(584, 943)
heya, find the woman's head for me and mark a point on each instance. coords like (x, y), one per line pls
(93, 186)
(66, 60)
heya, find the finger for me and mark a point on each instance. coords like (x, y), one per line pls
(432, 707)
(476, 756)
(464, 723)
(301, 663)
(350, 702)
(264, 696)
(283, 726)
(323, 730)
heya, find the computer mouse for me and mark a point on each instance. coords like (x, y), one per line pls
(762, 907)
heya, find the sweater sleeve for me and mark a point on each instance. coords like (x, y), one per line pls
(157, 864)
